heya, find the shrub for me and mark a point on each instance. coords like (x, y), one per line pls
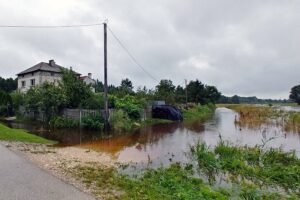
(131, 106)
(200, 112)
(17, 100)
(3, 111)
(96, 101)
(61, 122)
(120, 121)
(112, 101)
(93, 122)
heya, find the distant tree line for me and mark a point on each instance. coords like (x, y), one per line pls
(6, 87)
(249, 100)
(197, 92)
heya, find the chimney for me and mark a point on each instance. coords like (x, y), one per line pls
(90, 75)
(52, 63)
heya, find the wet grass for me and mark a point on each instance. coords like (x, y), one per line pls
(293, 122)
(153, 121)
(233, 172)
(10, 134)
(253, 116)
(170, 183)
(120, 122)
(200, 112)
(263, 169)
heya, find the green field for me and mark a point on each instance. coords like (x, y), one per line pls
(10, 134)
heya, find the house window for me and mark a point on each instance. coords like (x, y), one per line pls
(32, 73)
(52, 74)
(23, 83)
(32, 81)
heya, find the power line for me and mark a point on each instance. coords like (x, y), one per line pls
(50, 26)
(84, 25)
(130, 54)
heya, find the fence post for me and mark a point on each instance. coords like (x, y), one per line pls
(80, 117)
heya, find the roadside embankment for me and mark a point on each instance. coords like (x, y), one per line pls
(11, 134)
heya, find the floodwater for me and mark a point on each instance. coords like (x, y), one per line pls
(162, 144)
(165, 143)
(290, 108)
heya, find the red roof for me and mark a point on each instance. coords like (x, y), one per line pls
(82, 77)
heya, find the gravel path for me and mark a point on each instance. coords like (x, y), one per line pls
(21, 180)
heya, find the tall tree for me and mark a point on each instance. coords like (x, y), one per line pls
(295, 94)
(3, 97)
(180, 94)
(76, 90)
(112, 89)
(235, 99)
(5, 104)
(211, 94)
(196, 92)
(99, 86)
(8, 85)
(125, 87)
(165, 90)
(142, 92)
(47, 98)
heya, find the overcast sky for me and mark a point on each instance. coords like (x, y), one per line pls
(242, 47)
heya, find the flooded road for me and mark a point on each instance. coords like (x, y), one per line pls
(161, 144)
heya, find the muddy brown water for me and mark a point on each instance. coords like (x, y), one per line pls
(163, 144)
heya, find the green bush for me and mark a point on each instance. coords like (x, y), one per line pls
(131, 106)
(61, 122)
(112, 101)
(96, 101)
(120, 121)
(3, 110)
(92, 122)
(199, 112)
(17, 100)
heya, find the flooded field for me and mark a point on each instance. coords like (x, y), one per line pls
(162, 144)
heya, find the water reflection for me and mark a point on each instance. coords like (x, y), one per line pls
(165, 143)
(290, 108)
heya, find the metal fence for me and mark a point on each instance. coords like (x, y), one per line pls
(77, 114)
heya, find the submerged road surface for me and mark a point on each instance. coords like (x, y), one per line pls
(21, 180)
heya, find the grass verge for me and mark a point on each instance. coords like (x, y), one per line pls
(249, 173)
(266, 170)
(200, 112)
(170, 183)
(153, 121)
(10, 134)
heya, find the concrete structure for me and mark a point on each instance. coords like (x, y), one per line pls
(89, 80)
(40, 73)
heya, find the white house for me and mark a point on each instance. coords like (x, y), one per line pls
(89, 80)
(40, 73)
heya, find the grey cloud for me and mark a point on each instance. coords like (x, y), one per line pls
(247, 48)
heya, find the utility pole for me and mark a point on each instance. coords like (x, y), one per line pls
(106, 112)
(186, 95)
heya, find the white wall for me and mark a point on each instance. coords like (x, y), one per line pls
(40, 78)
(91, 81)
